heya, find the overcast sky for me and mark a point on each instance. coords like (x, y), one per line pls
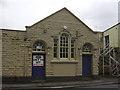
(97, 14)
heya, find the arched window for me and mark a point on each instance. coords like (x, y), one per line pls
(87, 47)
(39, 46)
(64, 45)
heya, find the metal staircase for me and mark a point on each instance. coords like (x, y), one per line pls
(109, 62)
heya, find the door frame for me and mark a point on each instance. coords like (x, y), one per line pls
(39, 53)
(91, 63)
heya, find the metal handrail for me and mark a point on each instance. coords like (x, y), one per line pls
(115, 64)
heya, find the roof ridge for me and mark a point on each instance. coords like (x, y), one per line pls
(57, 12)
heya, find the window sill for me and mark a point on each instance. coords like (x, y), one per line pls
(86, 53)
(64, 61)
(38, 51)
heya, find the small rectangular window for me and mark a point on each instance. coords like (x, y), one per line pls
(107, 41)
(55, 48)
(72, 48)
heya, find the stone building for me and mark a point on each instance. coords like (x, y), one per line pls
(60, 45)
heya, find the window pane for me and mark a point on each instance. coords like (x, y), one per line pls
(64, 50)
(34, 49)
(66, 55)
(66, 45)
(66, 38)
(61, 55)
(72, 50)
(60, 49)
(67, 50)
(55, 55)
(72, 55)
(38, 49)
(55, 44)
(55, 49)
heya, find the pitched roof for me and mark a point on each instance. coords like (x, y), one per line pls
(57, 12)
(12, 30)
(112, 27)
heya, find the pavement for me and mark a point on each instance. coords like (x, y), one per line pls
(64, 84)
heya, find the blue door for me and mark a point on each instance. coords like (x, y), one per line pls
(86, 65)
(38, 66)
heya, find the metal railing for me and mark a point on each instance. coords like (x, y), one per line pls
(109, 59)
